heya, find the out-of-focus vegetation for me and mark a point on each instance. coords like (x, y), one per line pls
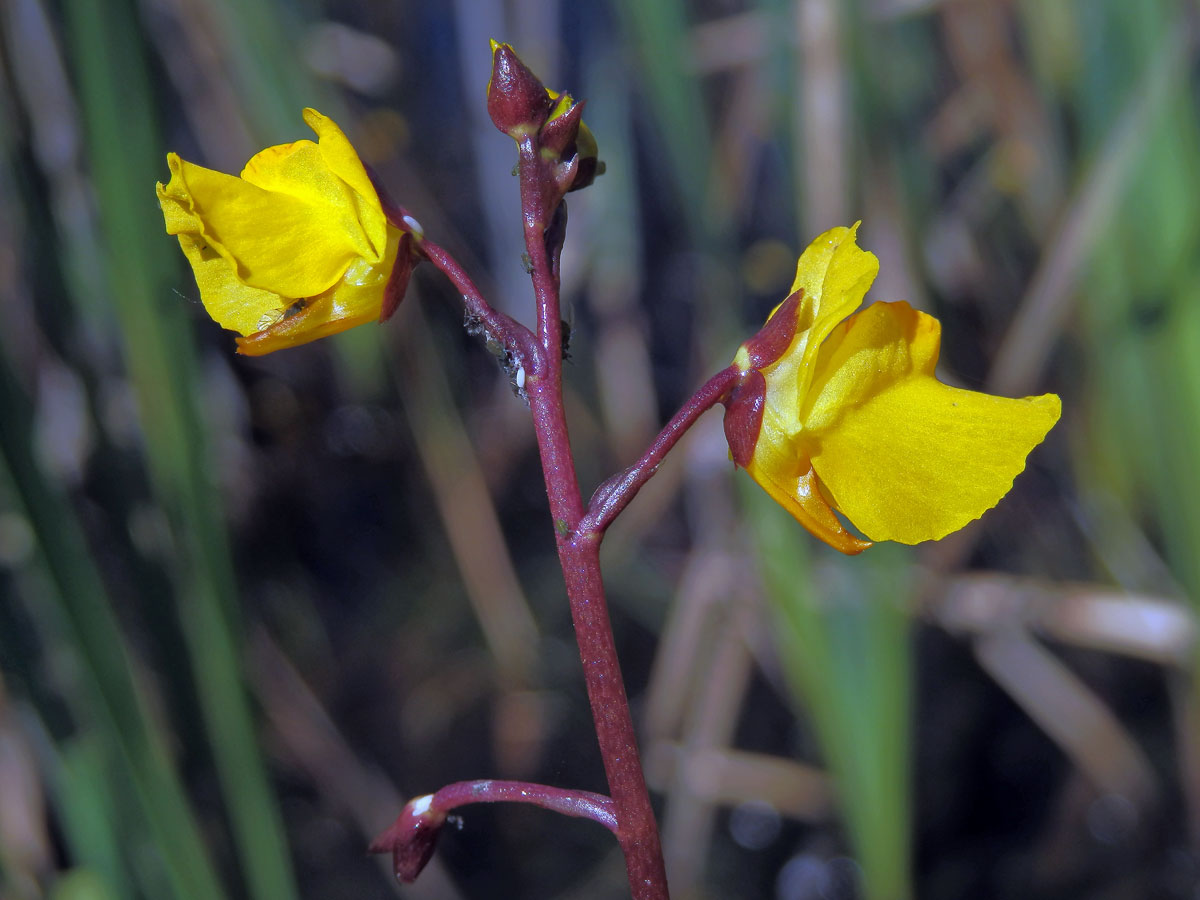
(248, 606)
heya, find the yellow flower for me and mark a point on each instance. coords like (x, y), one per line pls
(297, 248)
(850, 416)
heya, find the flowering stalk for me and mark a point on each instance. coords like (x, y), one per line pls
(579, 550)
(555, 154)
(829, 410)
(539, 358)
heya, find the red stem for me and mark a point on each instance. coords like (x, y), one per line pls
(614, 495)
(579, 552)
(582, 804)
(515, 337)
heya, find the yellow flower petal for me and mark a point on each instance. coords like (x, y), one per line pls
(330, 177)
(342, 158)
(313, 319)
(274, 241)
(788, 477)
(297, 248)
(905, 457)
(230, 303)
(834, 275)
(864, 356)
(355, 300)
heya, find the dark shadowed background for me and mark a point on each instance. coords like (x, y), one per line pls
(249, 606)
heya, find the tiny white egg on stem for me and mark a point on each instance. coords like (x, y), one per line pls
(413, 225)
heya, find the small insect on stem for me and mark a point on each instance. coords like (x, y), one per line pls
(566, 340)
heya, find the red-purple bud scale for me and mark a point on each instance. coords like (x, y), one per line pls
(744, 415)
(559, 134)
(407, 257)
(774, 338)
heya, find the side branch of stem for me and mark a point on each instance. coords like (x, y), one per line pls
(581, 804)
(515, 337)
(411, 839)
(616, 493)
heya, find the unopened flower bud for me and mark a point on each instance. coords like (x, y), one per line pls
(561, 130)
(590, 165)
(516, 99)
(566, 136)
(411, 839)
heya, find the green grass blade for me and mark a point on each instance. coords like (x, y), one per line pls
(659, 31)
(82, 884)
(83, 797)
(842, 636)
(97, 639)
(126, 156)
(1138, 311)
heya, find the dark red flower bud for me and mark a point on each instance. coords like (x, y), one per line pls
(560, 132)
(411, 839)
(516, 99)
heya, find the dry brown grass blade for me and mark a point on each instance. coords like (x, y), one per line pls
(26, 854)
(685, 643)
(731, 42)
(1047, 304)
(466, 509)
(197, 61)
(1070, 714)
(710, 719)
(1156, 629)
(890, 10)
(820, 118)
(625, 381)
(1053, 697)
(998, 92)
(725, 777)
(694, 701)
(740, 137)
(311, 742)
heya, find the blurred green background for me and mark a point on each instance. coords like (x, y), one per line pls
(247, 607)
